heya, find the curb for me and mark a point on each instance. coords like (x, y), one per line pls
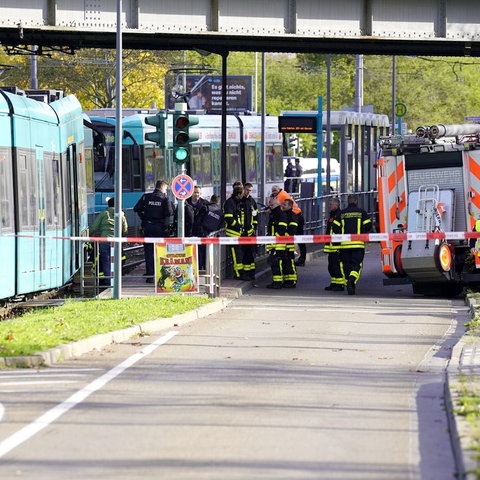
(460, 429)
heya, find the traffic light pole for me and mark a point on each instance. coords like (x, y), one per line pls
(117, 226)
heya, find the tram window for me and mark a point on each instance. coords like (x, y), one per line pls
(149, 171)
(277, 152)
(27, 191)
(132, 173)
(67, 182)
(82, 182)
(127, 176)
(196, 169)
(88, 154)
(156, 167)
(136, 168)
(251, 164)
(233, 164)
(6, 203)
(49, 192)
(5, 216)
(215, 155)
(207, 166)
(269, 168)
(99, 152)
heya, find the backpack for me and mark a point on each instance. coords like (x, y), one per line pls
(213, 218)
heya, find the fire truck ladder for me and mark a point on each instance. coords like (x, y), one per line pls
(428, 198)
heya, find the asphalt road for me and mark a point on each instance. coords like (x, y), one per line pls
(288, 384)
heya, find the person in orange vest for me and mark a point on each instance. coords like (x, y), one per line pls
(281, 195)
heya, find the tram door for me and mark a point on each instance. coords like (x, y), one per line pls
(42, 217)
(74, 207)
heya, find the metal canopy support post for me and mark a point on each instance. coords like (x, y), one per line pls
(328, 139)
(319, 144)
(394, 74)
(117, 277)
(262, 194)
(223, 166)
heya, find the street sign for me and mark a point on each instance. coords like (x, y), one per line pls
(400, 109)
(182, 186)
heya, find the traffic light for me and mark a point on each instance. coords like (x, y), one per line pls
(160, 135)
(182, 138)
(300, 144)
(293, 141)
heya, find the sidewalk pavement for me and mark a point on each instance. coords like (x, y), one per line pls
(463, 371)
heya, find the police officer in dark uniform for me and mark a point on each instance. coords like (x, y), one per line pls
(155, 210)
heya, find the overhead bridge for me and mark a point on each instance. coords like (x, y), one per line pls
(426, 27)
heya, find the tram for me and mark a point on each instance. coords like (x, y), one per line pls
(43, 195)
(143, 162)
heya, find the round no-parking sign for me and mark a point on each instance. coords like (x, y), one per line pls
(182, 186)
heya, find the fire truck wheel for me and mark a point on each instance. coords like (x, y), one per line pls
(397, 260)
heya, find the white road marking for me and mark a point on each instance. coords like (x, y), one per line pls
(33, 382)
(2, 411)
(56, 412)
(53, 371)
(39, 377)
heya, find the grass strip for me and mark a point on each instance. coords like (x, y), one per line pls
(39, 330)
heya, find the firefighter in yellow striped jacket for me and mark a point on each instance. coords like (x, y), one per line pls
(234, 216)
(277, 227)
(289, 270)
(337, 282)
(352, 220)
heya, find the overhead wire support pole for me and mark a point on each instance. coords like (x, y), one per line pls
(394, 88)
(117, 255)
(223, 167)
(262, 193)
(329, 130)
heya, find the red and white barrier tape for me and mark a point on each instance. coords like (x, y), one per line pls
(265, 240)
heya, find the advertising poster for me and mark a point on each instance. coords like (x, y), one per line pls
(204, 92)
(176, 268)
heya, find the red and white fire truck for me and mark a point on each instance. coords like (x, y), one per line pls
(429, 194)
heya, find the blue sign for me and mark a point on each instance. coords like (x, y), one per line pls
(182, 186)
